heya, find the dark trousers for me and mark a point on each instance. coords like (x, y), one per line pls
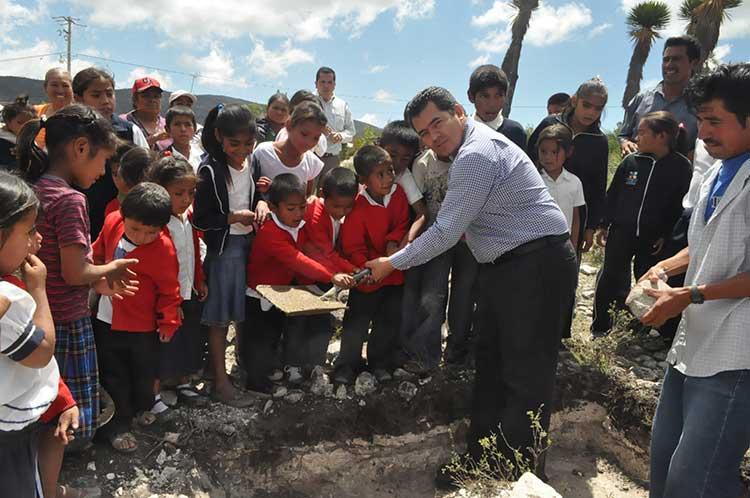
(382, 309)
(127, 369)
(19, 476)
(625, 255)
(423, 309)
(524, 306)
(677, 242)
(463, 297)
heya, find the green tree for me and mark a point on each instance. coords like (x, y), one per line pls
(705, 18)
(644, 22)
(524, 9)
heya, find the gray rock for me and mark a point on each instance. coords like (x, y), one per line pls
(663, 364)
(228, 430)
(161, 457)
(660, 355)
(635, 350)
(588, 269)
(110, 476)
(279, 392)
(652, 364)
(91, 466)
(588, 294)
(341, 392)
(530, 486)
(268, 407)
(294, 397)
(407, 390)
(401, 374)
(365, 384)
(639, 302)
(319, 382)
(654, 333)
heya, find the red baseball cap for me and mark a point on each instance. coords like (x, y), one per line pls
(143, 84)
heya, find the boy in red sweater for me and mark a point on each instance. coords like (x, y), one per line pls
(277, 259)
(374, 228)
(128, 330)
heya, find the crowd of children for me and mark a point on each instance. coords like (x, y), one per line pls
(150, 244)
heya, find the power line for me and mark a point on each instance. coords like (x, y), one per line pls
(26, 57)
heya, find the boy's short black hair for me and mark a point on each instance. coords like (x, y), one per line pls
(691, 44)
(399, 132)
(340, 182)
(284, 186)
(487, 76)
(325, 70)
(368, 158)
(179, 110)
(147, 203)
(559, 98)
(728, 83)
(560, 133)
(442, 98)
(133, 165)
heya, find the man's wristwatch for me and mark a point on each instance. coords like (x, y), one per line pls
(696, 296)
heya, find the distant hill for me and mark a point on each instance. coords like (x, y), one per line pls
(13, 86)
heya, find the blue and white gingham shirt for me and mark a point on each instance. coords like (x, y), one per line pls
(495, 196)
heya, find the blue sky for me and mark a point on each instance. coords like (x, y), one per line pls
(384, 51)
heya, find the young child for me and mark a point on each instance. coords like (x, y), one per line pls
(554, 146)
(277, 259)
(299, 97)
(79, 141)
(180, 124)
(14, 115)
(644, 201)
(183, 355)
(127, 172)
(590, 154)
(374, 228)
(402, 144)
(224, 203)
(128, 330)
(277, 112)
(31, 391)
(488, 86)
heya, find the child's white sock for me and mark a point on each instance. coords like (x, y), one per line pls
(159, 405)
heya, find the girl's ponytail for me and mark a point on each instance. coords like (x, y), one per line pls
(665, 122)
(33, 161)
(208, 136)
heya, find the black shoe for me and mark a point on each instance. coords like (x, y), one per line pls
(344, 375)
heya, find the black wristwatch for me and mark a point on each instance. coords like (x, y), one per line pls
(696, 296)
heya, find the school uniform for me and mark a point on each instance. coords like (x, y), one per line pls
(364, 236)
(127, 330)
(511, 129)
(644, 201)
(277, 259)
(322, 238)
(8, 160)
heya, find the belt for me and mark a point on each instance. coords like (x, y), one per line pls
(531, 246)
(328, 154)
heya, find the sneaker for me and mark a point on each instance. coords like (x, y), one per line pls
(276, 375)
(382, 375)
(294, 374)
(159, 405)
(344, 375)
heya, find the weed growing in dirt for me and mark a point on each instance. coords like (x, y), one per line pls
(493, 471)
(599, 353)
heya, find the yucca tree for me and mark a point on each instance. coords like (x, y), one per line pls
(644, 21)
(705, 18)
(524, 9)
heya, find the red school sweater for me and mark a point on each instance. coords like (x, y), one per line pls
(156, 304)
(111, 207)
(276, 259)
(319, 239)
(368, 229)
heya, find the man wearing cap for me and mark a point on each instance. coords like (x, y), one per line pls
(146, 113)
(340, 128)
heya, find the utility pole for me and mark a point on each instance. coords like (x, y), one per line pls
(66, 24)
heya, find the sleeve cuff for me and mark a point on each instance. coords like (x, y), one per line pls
(31, 338)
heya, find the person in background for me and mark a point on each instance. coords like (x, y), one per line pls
(183, 98)
(299, 97)
(277, 113)
(557, 102)
(57, 86)
(487, 88)
(14, 115)
(127, 172)
(146, 113)
(340, 128)
(181, 125)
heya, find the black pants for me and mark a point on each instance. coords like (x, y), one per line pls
(19, 476)
(463, 298)
(625, 253)
(382, 308)
(678, 241)
(525, 304)
(128, 364)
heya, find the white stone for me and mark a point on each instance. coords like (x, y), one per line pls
(161, 457)
(341, 392)
(588, 294)
(110, 476)
(365, 384)
(91, 466)
(587, 269)
(294, 397)
(639, 302)
(529, 486)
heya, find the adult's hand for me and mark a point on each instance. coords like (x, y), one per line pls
(668, 303)
(381, 268)
(628, 147)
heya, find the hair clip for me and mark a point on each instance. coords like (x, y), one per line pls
(167, 153)
(220, 107)
(681, 126)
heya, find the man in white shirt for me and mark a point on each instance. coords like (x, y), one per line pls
(340, 129)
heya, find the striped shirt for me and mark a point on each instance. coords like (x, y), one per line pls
(495, 196)
(63, 221)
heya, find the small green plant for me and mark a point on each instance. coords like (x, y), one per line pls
(599, 353)
(493, 471)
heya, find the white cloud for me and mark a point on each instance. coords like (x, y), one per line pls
(376, 69)
(216, 68)
(165, 80)
(299, 19)
(494, 42)
(372, 119)
(13, 15)
(29, 65)
(599, 29)
(721, 52)
(479, 61)
(501, 12)
(274, 63)
(384, 97)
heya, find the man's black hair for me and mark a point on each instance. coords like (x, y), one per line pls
(179, 110)
(326, 70)
(487, 76)
(691, 44)
(147, 203)
(368, 158)
(442, 98)
(284, 186)
(559, 98)
(399, 132)
(729, 83)
(340, 182)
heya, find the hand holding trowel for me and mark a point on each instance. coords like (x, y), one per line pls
(334, 294)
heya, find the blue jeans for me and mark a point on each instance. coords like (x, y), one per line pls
(700, 434)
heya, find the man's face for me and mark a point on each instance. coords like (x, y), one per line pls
(489, 102)
(722, 133)
(676, 68)
(439, 130)
(326, 84)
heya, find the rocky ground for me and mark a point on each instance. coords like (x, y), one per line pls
(386, 440)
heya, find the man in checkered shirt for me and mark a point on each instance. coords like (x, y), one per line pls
(528, 268)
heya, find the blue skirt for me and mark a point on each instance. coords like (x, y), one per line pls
(226, 275)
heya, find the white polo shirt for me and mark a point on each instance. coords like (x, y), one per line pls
(567, 191)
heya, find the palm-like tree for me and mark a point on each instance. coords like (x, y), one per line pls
(524, 10)
(644, 21)
(705, 18)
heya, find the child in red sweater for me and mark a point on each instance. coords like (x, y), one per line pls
(128, 330)
(374, 228)
(276, 259)
(127, 172)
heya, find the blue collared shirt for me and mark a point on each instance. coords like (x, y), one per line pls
(727, 172)
(495, 196)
